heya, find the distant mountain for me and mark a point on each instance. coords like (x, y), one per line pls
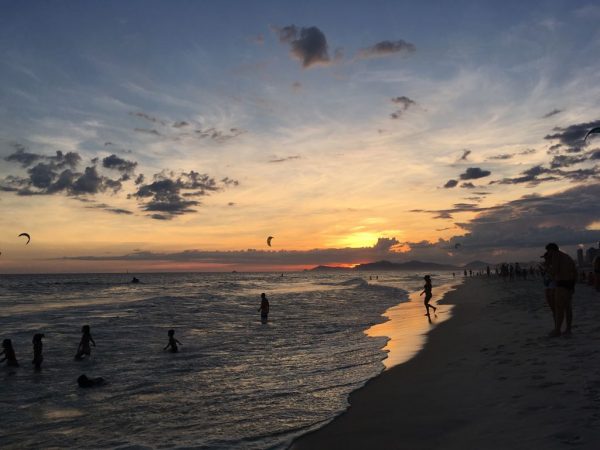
(409, 265)
(328, 268)
(477, 265)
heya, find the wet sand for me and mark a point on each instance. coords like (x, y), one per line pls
(488, 378)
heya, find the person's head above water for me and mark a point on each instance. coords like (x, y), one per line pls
(171, 333)
(85, 329)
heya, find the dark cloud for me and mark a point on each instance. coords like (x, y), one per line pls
(466, 153)
(140, 179)
(552, 113)
(105, 207)
(120, 164)
(22, 157)
(56, 174)
(451, 184)
(148, 117)
(404, 103)
(533, 221)
(168, 195)
(566, 160)
(502, 156)
(386, 48)
(309, 44)
(468, 185)
(572, 136)
(147, 131)
(473, 173)
(288, 158)
(218, 135)
(180, 124)
(538, 174)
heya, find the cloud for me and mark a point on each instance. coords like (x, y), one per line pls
(386, 48)
(56, 174)
(105, 207)
(288, 158)
(533, 175)
(473, 173)
(120, 164)
(533, 221)
(148, 117)
(308, 44)
(296, 86)
(451, 184)
(147, 131)
(466, 153)
(180, 124)
(552, 113)
(218, 135)
(572, 136)
(168, 195)
(404, 103)
(566, 160)
(504, 156)
(468, 185)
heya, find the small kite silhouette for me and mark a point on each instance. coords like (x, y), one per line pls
(27, 236)
(592, 131)
(269, 240)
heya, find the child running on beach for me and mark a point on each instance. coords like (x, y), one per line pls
(9, 354)
(37, 351)
(84, 344)
(172, 342)
(427, 291)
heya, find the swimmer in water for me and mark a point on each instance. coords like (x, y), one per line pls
(9, 354)
(84, 345)
(172, 342)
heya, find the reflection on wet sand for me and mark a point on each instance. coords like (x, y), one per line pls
(408, 326)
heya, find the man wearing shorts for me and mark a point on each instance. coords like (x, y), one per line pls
(563, 271)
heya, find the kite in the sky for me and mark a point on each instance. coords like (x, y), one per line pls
(269, 240)
(592, 131)
(27, 236)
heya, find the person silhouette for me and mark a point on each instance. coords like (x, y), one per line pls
(172, 342)
(563, 272)
(85, 382)
(427, 291)
(84, 345)
(9, 354)
(264, 308)
(37, 351)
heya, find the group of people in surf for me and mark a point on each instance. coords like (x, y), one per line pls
(84, 349)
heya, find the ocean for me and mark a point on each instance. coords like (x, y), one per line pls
(235, 384)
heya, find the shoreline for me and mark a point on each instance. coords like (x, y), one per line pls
(488, 378)
(405, 341)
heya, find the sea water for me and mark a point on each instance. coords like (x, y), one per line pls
(236, 383)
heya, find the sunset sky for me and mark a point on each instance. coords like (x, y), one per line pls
(179, 135)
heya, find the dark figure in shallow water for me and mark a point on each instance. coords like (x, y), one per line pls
(172, 342)
(84, 345)
(135, 280)
(9, 354)
(37, 351)
(427, 291)
(264, 308)
(84, 382)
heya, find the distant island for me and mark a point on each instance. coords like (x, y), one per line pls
(409, 265)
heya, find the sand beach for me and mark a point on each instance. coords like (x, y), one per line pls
(488, 378)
